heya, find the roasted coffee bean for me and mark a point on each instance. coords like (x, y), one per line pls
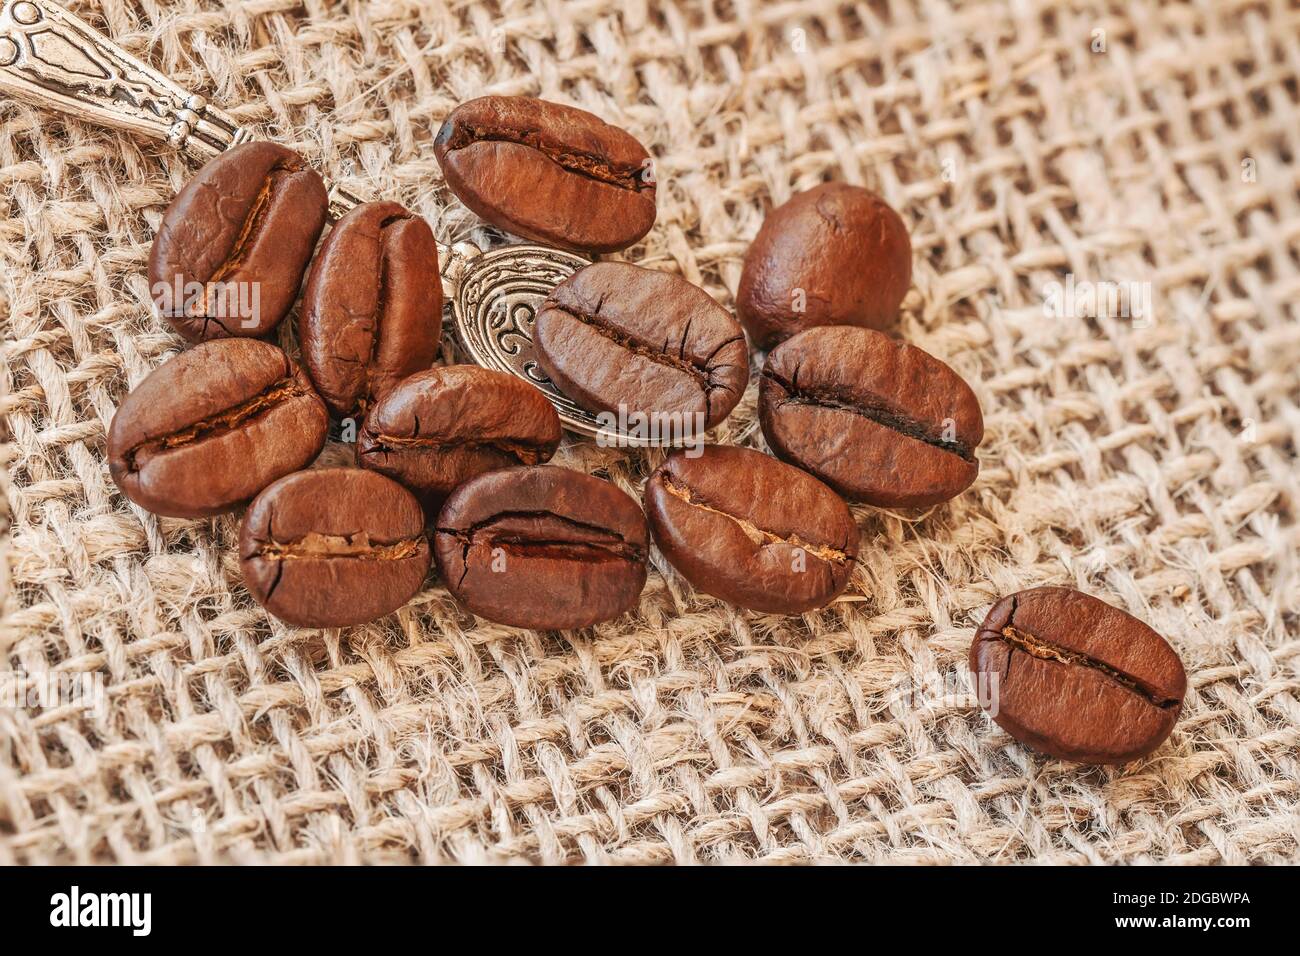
(212, 427)
(743, 527)
(877, 420)
(542, 547)
(1067, 674)
(333, 546)
(232, 248)
(372, 313)
(441, 427)
(834, 255)
(618, 338)
(548, 172)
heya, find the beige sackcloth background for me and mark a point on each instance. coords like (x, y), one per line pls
(1152, 464)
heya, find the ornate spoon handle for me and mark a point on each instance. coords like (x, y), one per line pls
(54, 59)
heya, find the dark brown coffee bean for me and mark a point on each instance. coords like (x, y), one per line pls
(230, 253)
(1071, 676)
(333, 547)
(441, 427)
(372, 313)
(548, 172)
(210, 428)
(741, 526)
(834, 255)
(877, 420)
(615, 337)
(542, 547)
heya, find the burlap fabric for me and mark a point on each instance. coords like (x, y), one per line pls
(1151, 462)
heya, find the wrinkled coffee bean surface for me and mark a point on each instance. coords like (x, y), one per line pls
(618, 338)
(744, 527)
(372, 312)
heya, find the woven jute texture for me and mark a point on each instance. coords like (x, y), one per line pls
(1146, 459)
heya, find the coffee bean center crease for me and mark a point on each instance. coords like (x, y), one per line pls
(589, 165)
(226, 421)
(560, 528)
(1043, 649)
(833, 399)
(315, 545)
(670, 354)
(254, 221)
(528, 454)
(756, 534)
(558, 537)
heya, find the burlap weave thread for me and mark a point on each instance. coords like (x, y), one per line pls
(1152, 464)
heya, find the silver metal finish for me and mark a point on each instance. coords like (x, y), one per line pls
(53, 59)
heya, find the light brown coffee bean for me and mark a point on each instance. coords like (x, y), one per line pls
(877, 420)
(742, 526)
(229, 256)
(834, 255)
(637, 343)
(441, 427)
(210, 428)
(542, 547)
(372, 312)
(548, 172)
(1076, 678)
(333, 546)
